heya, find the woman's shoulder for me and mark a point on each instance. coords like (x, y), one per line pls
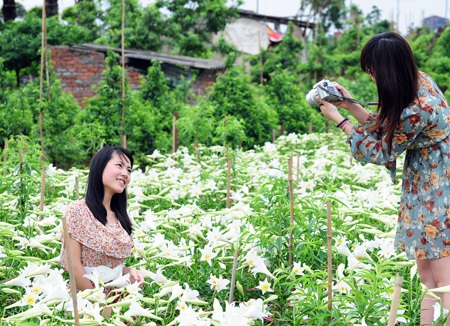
(78, 211)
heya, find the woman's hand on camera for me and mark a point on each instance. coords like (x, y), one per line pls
(343, 104)
(330, 111)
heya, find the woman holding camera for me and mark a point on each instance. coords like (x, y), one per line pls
(412, 116)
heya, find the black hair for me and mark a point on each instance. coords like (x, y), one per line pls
(95, 191)
(390, 60)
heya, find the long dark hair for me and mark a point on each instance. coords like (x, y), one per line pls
(389, 59)
(95, 191)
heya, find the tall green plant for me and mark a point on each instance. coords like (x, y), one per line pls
(105, 110)
(196, 124)
(284, 94)
(189, 25)
(234, 95)
(287, 55)
(160, 100)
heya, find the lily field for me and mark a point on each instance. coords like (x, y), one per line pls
(212, 261)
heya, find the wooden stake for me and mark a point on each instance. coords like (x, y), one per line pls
(73, 286)
(233, 274)
(42, 193)
(228, 203)
(5, 153)
(282, 130)
(124, 138)
(77, 188)
(41, 81)
(291, 201)
(310, 128)
(330, 267)
(261, 63)
(174, 133)
(395, 300)
(236, 248)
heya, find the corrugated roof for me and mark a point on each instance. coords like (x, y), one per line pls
(163, 57)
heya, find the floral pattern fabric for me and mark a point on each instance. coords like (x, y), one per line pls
(423, 228)
(106, 245)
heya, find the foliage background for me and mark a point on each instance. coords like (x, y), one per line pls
(265, 93)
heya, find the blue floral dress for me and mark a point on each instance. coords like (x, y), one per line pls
(423, 228)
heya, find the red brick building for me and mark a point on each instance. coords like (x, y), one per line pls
(80, 67)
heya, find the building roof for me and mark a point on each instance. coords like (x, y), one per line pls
(163, 57)
(275, 19)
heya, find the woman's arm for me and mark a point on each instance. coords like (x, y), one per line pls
(82, 283)
(355, 109)
(135, 275)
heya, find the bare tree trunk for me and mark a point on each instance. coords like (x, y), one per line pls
(9, 10)
(51, 7)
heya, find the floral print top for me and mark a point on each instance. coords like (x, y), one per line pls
(106, 245)
(423, 228)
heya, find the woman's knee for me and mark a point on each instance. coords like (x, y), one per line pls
(426, 274)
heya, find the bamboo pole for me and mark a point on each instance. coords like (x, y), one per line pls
(233, 273)
(124, 138)
(41, 77)
(77, 188)
(5, 153)
(291, 201)
(236, 248)
(330, 267)
(73, 286)
(42, 193)
(228, 202)
(174, 132)
(21, 175)
(395, 300)
(261, 63)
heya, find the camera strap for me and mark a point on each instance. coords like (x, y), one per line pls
(352, 100)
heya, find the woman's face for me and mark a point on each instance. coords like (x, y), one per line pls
(371, 75)
(116, 175)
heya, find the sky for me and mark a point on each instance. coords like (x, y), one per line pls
(406, 12)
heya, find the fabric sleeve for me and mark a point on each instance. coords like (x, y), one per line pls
(85, 229)
(371, 147)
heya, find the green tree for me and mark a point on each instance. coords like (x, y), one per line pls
(149, 30)
(160, 100)
(234, 95)
(105, 111)
(82, 21)
(106, 108)
(230, 131)
(284, 94)
(287, 55)
(190, 23)
(196, 124)
(113, 23)
(19, 44)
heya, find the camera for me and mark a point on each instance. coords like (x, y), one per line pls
(326, 91)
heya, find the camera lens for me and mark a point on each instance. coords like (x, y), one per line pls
(311, 97)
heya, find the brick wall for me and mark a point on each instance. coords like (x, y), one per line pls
(81, 70)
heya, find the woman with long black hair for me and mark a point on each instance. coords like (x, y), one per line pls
(99, 226)
(412, 116)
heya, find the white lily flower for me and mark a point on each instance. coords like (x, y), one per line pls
(37, 310)
(136, 310)
(264, 286)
